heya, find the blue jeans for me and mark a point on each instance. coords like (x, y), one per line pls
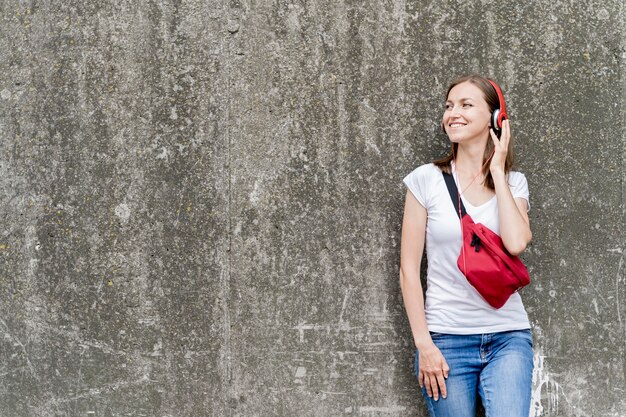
(495, 366)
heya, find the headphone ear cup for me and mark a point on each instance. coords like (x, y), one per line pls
(495, 123)
(500, 113)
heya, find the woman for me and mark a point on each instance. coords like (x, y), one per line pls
(465, 348)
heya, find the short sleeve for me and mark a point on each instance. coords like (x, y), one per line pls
(417, 183)
(519, 186)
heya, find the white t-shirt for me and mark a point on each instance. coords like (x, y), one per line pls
(452, 305)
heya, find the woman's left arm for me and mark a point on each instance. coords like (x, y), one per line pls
(514, 224)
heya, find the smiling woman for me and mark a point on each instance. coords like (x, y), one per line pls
(466, 348)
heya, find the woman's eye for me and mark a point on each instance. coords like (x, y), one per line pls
(467, 105)
(448, 106)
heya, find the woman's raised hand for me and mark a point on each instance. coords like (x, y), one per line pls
(501, 147)
(433, 370)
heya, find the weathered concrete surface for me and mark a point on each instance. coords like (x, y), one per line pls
(201, 201)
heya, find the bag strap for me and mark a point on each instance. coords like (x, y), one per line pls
(454, 194)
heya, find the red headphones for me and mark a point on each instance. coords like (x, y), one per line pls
(498, 114)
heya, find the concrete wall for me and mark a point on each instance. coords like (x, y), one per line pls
(201, 201)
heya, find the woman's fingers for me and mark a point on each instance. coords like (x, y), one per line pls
(435, 384)
(434, 388)
(500, 147)
(442, 385)
(506, 133)
(494, 138)
(429, 389)
(433, 369)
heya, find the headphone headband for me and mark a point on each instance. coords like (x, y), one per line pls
(500, 114)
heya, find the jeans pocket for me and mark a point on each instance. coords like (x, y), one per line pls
(525, 334)
(435, 335)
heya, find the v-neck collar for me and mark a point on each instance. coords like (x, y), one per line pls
(465, 201)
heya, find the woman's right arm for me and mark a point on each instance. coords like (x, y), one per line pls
(433, 368)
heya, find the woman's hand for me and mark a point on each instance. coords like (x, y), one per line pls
(501, 147)
(433, 370)
(513, 217)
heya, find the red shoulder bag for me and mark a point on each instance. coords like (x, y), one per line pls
(484, 260)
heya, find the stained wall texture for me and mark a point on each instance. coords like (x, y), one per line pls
(201, 201)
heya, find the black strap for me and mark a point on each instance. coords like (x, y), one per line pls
(454, 193)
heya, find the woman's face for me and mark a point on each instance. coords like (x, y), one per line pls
(467, 115)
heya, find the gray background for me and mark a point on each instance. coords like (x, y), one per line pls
(202, 200)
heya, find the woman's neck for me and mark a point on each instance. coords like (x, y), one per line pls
(469, 158)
